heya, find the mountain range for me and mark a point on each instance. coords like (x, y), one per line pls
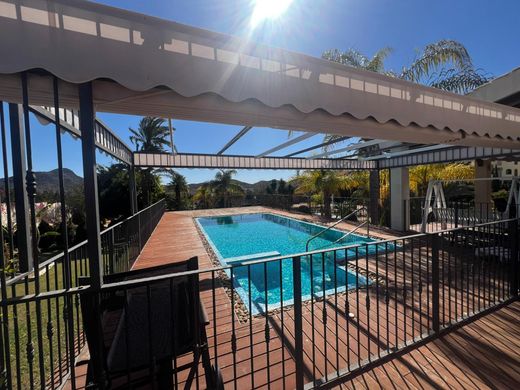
(49, 182)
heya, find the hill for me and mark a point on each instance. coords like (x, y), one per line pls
(48, 182)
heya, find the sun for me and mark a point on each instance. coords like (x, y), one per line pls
(268, 10)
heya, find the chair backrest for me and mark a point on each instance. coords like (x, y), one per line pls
(168, 311)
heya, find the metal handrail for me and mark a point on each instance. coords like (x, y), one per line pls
(333, 225)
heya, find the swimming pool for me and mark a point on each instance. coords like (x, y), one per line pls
(239, 238)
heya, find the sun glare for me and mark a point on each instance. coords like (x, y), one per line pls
(268, 10)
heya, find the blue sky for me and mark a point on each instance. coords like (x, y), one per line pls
(486, 28)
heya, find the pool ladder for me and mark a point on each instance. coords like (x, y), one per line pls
(339, 221)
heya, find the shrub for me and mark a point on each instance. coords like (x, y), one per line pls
(49, 240)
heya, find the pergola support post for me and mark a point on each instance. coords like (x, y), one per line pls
(482, 187)
(88, 146)
(375, 194)
(23, 222)
(400, 199)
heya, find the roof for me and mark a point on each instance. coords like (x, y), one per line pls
(145, 65)
(504, 89)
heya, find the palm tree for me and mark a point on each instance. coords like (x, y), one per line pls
(223, 186)
(445, 64)
(352, 57)
(180, 187)
(421, 175)
(324, 182)
(151, 136)
(203, 196)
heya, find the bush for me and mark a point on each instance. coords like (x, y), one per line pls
(44, 227)
(303, 208)
(500, 199)
(49, 240)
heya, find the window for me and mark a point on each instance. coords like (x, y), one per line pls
(508, 171)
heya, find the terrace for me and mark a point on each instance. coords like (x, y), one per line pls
(434, 307)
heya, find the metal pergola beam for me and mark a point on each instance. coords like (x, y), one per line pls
(105, 139)
(212, 161)
(445, 155)
(287, 144)
(408, 151)
(239, 135)
(350, 148)
(340, 139)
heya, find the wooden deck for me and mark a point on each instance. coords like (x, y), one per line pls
(367, 323)
(484, 354)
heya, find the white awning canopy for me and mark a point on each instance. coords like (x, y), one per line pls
(144, 65)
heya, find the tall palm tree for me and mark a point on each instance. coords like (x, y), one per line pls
(224, 187)
(151, 136)
(445, 64)
(324, 182)
(180, 187)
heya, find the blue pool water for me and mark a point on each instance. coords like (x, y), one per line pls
(239, 238)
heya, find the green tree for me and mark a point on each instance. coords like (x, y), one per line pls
(150, 188)
(224, 187)
(203, 197)
(280, 187)
(114, 192)
(323, 182)
(179, 186)
(421, 175)
(445, 64)
(151, 136)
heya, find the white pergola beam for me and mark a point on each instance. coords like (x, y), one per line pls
(239, 135)
(287, 144)
(212, 161)
(349, 148)
(405, 152)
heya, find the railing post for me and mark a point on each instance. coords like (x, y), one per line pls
(456, 214)
(515, 265)
(111, 252)
(23, 222)
(435, 282)
(5, 365)
(298, 327)
(139, 231)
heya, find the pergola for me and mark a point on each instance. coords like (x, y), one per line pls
(130, 63)
(76, 58)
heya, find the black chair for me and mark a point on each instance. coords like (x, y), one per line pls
(144, 326)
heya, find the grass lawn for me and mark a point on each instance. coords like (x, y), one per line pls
(22, 327)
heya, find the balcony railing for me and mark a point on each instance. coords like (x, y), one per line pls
(314, 318)
(44, 356)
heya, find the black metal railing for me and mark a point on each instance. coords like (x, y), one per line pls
(317, 318)
(455, 214)
(340, 206)
(122, 243)
(60, 339)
